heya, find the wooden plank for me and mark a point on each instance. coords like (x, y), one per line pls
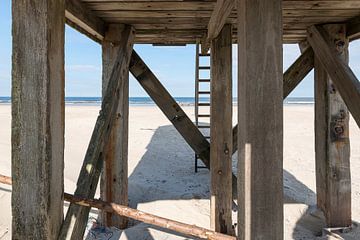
(298, 71)
(76, 218)
(260, 114)
(332, 145)
(121, 210)
(173, 111)
(221, 128)
(37, 118)
(221, 12)
(170, 108)
(342, 76)
(291, 79)
(183, 228)
(114, 179)
(81, 18)
(89, 17)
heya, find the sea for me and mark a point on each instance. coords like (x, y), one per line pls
(147, 101)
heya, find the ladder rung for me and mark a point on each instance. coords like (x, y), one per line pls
(206, 126)
(204, 80)
(204, 68)
(204, 92)
(204, 115)
(203, 104)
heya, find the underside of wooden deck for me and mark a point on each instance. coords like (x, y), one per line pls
(186, 21)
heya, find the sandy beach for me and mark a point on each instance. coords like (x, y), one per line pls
(161, 171)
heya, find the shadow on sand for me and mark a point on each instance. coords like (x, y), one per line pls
(173, 178)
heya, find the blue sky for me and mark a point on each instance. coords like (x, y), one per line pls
(174, 66)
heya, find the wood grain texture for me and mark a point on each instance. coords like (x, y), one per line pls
(219, 16)
(180, 15)
(79, 16)
(76, 218)
(260, 114)
(37, 118)
(332, 144)
(221, 129)
(191, 230)
(173, 111)
(170, 108)
(114, 179)
(342, 76)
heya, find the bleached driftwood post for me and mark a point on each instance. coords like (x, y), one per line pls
(114, 180)
(332, 145)
(37, 118)
(221, 129)
(260, 106)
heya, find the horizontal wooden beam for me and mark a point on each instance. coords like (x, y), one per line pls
(221, 12)
(292, 77)
(342, 76)
(191, 230)
(82, 19)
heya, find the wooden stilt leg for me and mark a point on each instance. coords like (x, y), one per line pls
(260, 129)
(75, 221)
(332, 146)
(37, 118)
(221, 129)
(114, 180)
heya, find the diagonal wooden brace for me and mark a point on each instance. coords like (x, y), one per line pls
(292, 77)
(342, 76)
(172, 111)
(75, 222)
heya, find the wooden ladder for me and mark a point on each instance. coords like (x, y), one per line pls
(202, 96)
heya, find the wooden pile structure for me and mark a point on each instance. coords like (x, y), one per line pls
(323, 30)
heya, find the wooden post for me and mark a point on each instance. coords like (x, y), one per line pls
(341, 75)
(76, 218)
(37, 118)
(260, 104)
(332, 145)
(114, 180)
(221, 129)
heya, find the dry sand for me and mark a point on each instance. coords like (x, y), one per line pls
(161, 171)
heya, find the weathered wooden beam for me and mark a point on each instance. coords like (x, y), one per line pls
(260, 114)
(291, 79)
(340, 73)
(82, 19)
(121, 210)
(170, 108)
(76, 218)
(221, 129)
(114, 178)
(332, 145)
(298, 71)
(172, 111)
(353, 28)
(37, 118)
(221, 12)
